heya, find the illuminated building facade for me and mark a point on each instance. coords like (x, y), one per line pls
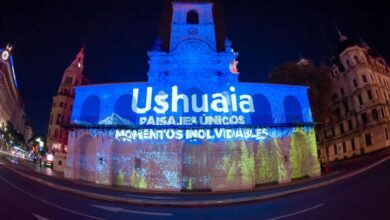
(11, 104)
(57, 136)
(192, 126)
(361, 103)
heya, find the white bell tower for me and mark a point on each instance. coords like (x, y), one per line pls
(193, 21)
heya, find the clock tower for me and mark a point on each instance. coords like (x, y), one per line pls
(193, 54)
(193, 21)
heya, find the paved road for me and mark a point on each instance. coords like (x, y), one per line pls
(366, 196)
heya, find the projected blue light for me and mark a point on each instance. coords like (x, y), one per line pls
(192, 125)
(146, 104)
(11, 60)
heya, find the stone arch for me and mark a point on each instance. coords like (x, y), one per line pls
(123, 108)
(87, 147)
(90, 110)
(195, 172)
(122, 163)
(263, 111)
(193, 17)
(292, 110)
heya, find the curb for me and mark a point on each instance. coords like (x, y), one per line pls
(203, 203)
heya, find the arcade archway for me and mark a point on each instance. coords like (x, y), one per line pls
(87, 150)
(195, 172)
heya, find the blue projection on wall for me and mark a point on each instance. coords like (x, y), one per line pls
(193, 125)
(136, 104)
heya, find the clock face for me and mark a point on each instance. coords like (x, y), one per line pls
(5, 55)
(193, 31)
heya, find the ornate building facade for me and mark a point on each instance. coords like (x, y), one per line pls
(361, 103)
(192, 125)
(11, 104)
(57, 136)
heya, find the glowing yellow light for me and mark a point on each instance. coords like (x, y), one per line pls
(5, 55)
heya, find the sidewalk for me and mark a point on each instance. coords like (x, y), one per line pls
(125, 195)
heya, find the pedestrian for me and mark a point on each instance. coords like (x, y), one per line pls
(40, 160)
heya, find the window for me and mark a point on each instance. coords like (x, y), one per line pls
(364, 78)
(346, 106)
(68, 80)
(364, 118)
(333, 133)
(355, 83)
(369, 94)
(59, 119)
(335, 149)
(344, 147)
(61, 104)
(349, 63)
(353, 144)
(387, 133)
(192, 17)
(360, 99)
(375, 115)
(342, 92)
(337, 113)
(341, 128)
(368, 139)
(350, 126)
(357, 59)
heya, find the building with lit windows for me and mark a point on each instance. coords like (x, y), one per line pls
(11, 104)
(57, 136)
(361, 97)
(192, 125)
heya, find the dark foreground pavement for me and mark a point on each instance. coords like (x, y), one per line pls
(365, 196)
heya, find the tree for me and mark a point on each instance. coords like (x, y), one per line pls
(303, 153)
(134, 179)
(264, 171)
(120, 178)
(278, 165)
(12, 136)
(316, 78)
(247, 164)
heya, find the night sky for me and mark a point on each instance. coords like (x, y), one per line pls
(47, 35)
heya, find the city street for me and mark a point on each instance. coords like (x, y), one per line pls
(189, 110)
(348, 199)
